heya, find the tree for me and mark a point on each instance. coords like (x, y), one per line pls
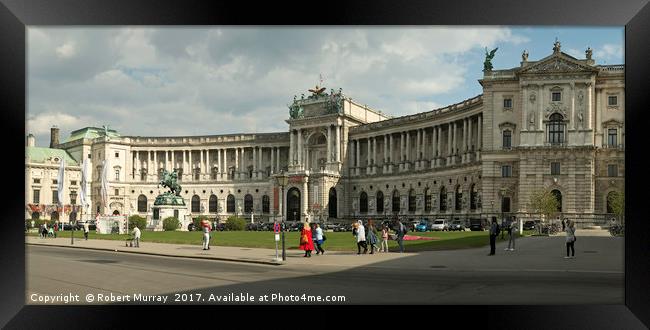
(616, 201)
(137, 221)
(170, 224)
(235, 223)
(544, 203)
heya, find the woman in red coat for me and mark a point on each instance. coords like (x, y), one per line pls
(306, 242)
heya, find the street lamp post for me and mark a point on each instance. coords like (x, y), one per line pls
(282, 180)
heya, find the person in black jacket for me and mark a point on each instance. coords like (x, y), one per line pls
(493, 236)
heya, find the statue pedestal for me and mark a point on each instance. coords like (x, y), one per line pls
(170, 205)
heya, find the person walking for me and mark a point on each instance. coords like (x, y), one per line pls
(56, 228)
(136, 237)
(43, 230)
(512, 231)
(401, 232)
(371, 237)
(494, 232)
(361, 238)
(306, 240)
(205, 227)
(570, 239)
(320, 238)
(384, 239)
(86, 230)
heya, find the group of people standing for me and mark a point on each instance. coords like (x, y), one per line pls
(310, 235)
(369, 237)
(568, 226)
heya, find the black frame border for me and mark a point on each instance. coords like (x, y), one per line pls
(17, 15)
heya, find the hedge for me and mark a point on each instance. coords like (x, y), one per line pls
(170, 224)
(235, 223)
(137, 221)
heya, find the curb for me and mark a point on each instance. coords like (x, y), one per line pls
(273, 263)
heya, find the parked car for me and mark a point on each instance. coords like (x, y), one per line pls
(422, 226)
(91, 225)
(440, 224)
(457, 225)
(220, 227)
(478, 224)
(529, 225)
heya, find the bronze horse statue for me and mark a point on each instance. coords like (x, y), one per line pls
(169, 180)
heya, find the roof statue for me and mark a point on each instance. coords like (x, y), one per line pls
(588, 53)
(556, 46)
(524, 56)
(487, 65)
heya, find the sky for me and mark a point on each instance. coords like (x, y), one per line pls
(168, 81)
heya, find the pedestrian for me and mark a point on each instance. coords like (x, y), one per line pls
(32, 224)
(400, 232)
(86, 230)
(320, 238)
(306, 241)
(50, 232)
(371, 237)
(384, 239)
(136, 237)
(494, 232)
(56, 228)
(570, 239)
(361, 238)
(512, 231)
(44, 230)
(564, 224)
(205, 227)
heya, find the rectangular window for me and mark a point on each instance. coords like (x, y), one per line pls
(55, 181)
(612, 100)
(117, 155)
(37, 180)
(507, 139)
(506, 171)
(37, 196)
(117, 192)
(611, 137)
(73, 198)
(55, 197)
(117, 175)
(90, 156)
(73, 183)
(556, 97)
(507, 103)
(555, 168)
(612, 170)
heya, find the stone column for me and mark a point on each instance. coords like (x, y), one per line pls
(155, 161)
(589, 108)
(337, 147)
(423, 149)
(402, 143)
(277, 160)
(433, 146)
(173, 160)
(272, 160)
(418, 135)
(236, 174)
(221, 153)
(300, 161)
(137, 164)
(464, 141)
(208, 169)
(408, 150)
(450, 126)
(384, 170)
(368, 166)
(391, 149)
(358, 157)
(244, 170)
(201, 164)
(374, 155)
(329, 143)
(469, 138)
(292, 149)
(479, 137)
(254, 176)
(191, 166)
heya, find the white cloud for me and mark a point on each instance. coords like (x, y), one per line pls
(609, 52)
(40, 124)
(66, 50)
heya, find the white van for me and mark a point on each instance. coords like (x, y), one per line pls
(440, 224)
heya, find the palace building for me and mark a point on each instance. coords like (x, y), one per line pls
(555, 124)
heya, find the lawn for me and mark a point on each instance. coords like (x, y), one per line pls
(339, 241)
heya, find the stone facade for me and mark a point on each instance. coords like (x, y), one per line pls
(555, 124)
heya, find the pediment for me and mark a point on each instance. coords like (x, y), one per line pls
(558, 63)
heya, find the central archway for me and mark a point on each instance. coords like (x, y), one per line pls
(293, 204)
(332, 203)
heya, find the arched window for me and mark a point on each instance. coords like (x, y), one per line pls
(555, 129)
(459, 199)
(558, 197)
(380, 202)
(248, 203)
(230, 208)
(142, 203)
(213, 206)
(196, 204)
(266, 202)
(396, 201)
(507, 139)
(427, 200)
(472, 197)
(117, 173)
(443, 199)
(412, 200)
(363, 202)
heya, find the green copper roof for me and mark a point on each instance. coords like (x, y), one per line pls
(39, 155)
(90, 133)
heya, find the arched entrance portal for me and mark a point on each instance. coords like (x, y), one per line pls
(332, 203)
(558, 197)
(293, 204)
